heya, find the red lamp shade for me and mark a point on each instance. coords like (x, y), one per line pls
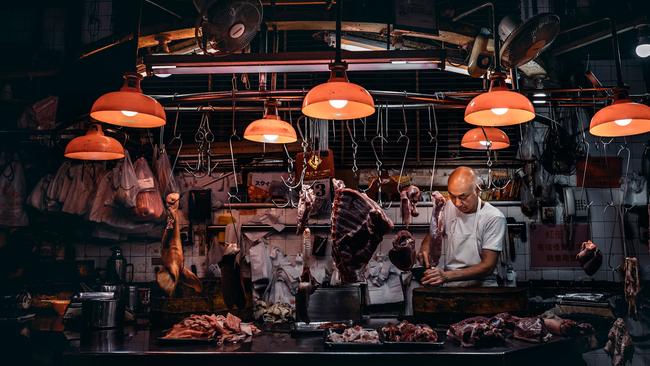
(499, 106)
(129, 107)
(485, 138)
(623, 118)
(270, 129)
(338, 99)
(94, 145)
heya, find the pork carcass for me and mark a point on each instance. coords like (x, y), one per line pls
(409, 332)
(431, 255)
(590, 258)
(174, 270)
(409, 197)
(306, 201)
(531, 329)
(402, 255)
(632, 284)
(358, 226)
(619, 346)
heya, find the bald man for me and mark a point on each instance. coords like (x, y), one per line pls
(473, 236)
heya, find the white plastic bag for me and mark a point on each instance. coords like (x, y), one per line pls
(163, 170)
(38, 197)
(59, 182)
(125, 183)
(82, 190)
(12, 196)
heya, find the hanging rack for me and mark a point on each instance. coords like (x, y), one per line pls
(176, 137)
(433, 138)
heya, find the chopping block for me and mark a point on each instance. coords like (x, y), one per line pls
(438, 303)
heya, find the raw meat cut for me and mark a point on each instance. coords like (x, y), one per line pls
(358, 226)
(632, 284)
(590, 258)
(409, 332)
(409, 197)
(402, 255)
(431, 254)
(476, 331)
(619, 346)
(171, 254)
(531, 330)
(567, 327)
(355, 334)
(306, 202)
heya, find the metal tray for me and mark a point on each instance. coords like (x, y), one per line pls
(302, 328)
(410, 345)
(349, 345)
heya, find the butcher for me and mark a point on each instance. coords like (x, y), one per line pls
(469, 233)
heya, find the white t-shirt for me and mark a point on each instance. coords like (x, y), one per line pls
(464, 237)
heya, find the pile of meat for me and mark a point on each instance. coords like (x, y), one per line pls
(228, 329)
(274, 313)
(358, 226)
(409, 197)
(402, 255)
(481, 331)
(409, 332)
(590, 258)
(355, 334)
(333, 326)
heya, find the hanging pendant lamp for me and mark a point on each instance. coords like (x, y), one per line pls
(128, 107)
(623, 117)
(499, 106)
(338, 98)
(271, 128)
(94, 145)
(484, 138)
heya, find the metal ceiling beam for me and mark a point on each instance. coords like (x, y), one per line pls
(294, 62)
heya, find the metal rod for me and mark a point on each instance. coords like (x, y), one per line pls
(339, 5)
(617, 54)
(164, 9)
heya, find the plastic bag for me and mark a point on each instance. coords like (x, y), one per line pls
(12, 196)
(38, 197)
(57, 187)
(125, 183)
(83, 186)
(163, 169)
(149, 205)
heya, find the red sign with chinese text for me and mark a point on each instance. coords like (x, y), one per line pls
(550, 245)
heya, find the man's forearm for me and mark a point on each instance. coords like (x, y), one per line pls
(469, 273)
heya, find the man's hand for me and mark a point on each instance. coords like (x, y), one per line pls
(434, 277)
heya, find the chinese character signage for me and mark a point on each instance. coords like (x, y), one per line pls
(551, 245)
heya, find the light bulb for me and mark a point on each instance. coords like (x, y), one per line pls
(485, 142)
(271, 138)
(623, 122)
(643, 50)
(500, 111)
(338, 103)
(129, 113)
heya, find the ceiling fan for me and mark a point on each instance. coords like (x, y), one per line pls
(227, 26)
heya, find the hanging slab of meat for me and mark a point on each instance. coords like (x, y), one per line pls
(358, 226)
(436, 229)
(409, 197)
(307, 284)
(402, 255)
(174, 270)
(306, 202)
(590, 258)
(619, 346)
(632, 284)
(567, 327)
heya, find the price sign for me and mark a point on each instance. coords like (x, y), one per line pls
(550, 245)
